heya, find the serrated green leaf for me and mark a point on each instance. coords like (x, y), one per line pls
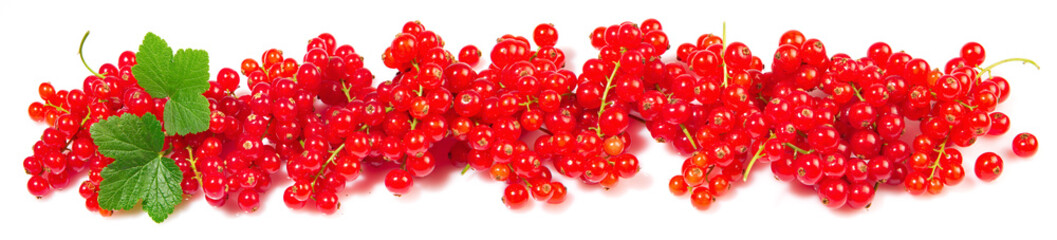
(190, 69)
(186, 113)
(182, 78)
(139, 171)
(162, 74)
(156, 182)
(152, 65)
(129, 137)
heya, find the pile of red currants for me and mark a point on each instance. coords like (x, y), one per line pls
(840, 125)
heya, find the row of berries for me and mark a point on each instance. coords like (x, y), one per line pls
(828, 122)
(833, 123)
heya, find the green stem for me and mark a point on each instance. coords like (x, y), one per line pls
(936, 164)
(346, 90)
(464, 169)
(971, 107)
(688, 136)
(523, 181)
(857, 94)
(192, 160)
(759, 153)
(330, 160)
(528, 104)
(605, 94)
(993, 65)
(57, 107)
(798, 149)
(80, 52)
(722, 53)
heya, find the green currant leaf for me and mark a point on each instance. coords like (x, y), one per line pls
(156, 182)
(186, 109)
(180, 77)
(139, 172)
(129, 137)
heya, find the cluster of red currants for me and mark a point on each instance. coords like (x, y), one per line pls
(707, 106)
(498, 106)
(873, 100)
(322, 148)
(832, 123)
(66, 147)
(837, 124)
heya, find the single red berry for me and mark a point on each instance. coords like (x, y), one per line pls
(228, 79)
(719, 185)
(860, 195)
(558, 193)
(613, 121)
(291, 200)
(515, 195)
(327, 202)
(988, 166)
(542, 191)
(879, 52)
(470, 55)
(701, 198)
(38, 186)
(935, 186)
(398, 182)
(545, 35)
(249, 200)
(808, 169)
(833, 192)
(999, 124)
(88, 189)
(1025, 145)
(814, 52)
(973, 53)
(787, 58)
(915, 183)
(677, 185)
(793, 37)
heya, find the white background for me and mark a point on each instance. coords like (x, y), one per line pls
(38, 42)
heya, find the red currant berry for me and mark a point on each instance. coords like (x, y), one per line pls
(999, 124)
(38, 186)
(291, 200)
(677, 185)
(808, 169)
(469, 55)
(545, 35)
(988, 166)
(249, 200)
(398, 182)
(558, 192)
(515, 195)
(915, 183)
(833, 192)
(701, 198)
(327, 202)
(1025, 145)
(860, 195)
(973, 53)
